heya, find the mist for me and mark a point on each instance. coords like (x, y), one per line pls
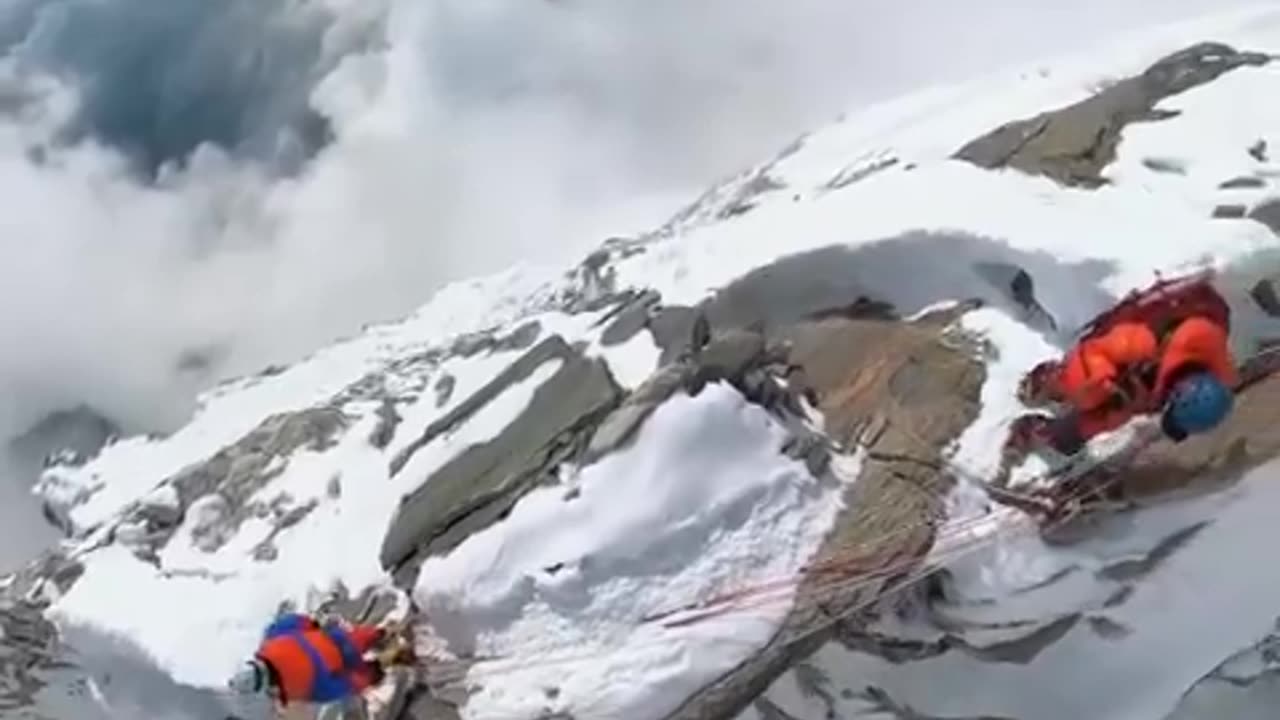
(197, 189)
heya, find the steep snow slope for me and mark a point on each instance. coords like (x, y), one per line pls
(703, 500)
(307, 460)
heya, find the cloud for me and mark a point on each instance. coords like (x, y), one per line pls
(175, 211)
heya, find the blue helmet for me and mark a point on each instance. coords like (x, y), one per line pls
(1197, 403)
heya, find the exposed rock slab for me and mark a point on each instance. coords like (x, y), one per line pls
(219, 488)
(866, 375)
(1267, 213)
(549, 349)
(477, 487)
(1243, 182)
(1073, 144)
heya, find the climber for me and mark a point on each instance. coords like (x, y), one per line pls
(1163, 350)
(305, 661)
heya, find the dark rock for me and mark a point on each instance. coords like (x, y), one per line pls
(592, 285)
(859, 172)
(632, 318)
(372, 605)
(728, 355)
(520, 338)
(768, 710)
(224, 483)
(1023, 651)
(29, 653)
(1258, 150)
(1073, 144)
(551, 348)
(475, 488)
(488, 341)
(1169, 166)
(1230, 212)
(444, 389)
(862, 308)
(1018, 651)
(1127, 570)
(1267, 213)
(422, 706)
(672, 327)
(388, 419)
(31, 583)
(596, 260)
(1264, 294)
(901, 484)
(162, 509)
(1108, 629)
(1119, 597)
(265, 552)
(296, 515)
(1020, 287)
(620, 425)
(472, 344)
(745, 199)
(880, 703)
(1245, 181)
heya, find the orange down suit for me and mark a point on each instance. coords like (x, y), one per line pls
(314, 663)
(1097, 369)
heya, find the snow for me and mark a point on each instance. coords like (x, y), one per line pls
(631, 362)
(702, 502)
(1200, 606)
(338, 541)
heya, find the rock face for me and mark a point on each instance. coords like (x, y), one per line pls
(1073, 144)
(899, 392)
(215, 493)
(475, 488)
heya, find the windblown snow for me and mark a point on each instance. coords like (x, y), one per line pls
(701, 501)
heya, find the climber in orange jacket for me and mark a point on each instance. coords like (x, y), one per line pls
(301, 660)
(1166, 352)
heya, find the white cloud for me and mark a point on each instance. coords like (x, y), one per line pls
(478, 133)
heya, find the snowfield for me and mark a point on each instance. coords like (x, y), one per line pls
(701, 501)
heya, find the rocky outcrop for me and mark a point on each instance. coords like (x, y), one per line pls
(215, 495)
(1073, 144)
(478, 486)
(896, 392)
(1267, 213)
(29, 651)
(1245, 686)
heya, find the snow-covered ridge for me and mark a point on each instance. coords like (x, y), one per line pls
(287, 483)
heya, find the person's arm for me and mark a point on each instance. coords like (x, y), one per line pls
(1110, 359)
